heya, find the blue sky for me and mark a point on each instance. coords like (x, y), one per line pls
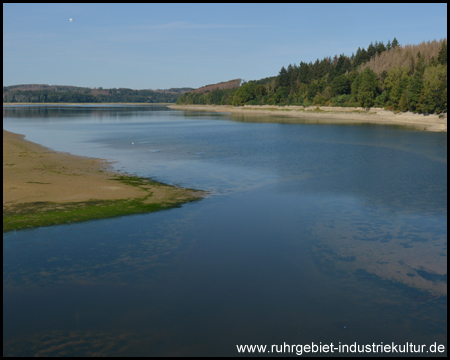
(159, 46)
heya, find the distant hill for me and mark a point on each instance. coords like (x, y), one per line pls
(232, 84)
(38, 93)
(175, 90)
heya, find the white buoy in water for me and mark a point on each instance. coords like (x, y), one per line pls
(70, 19)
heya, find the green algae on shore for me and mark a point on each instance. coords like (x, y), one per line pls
(46, 213)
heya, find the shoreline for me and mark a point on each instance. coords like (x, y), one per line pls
(329, 115)
(42, 187)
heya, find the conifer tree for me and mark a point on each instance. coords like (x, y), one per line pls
(283, 77)
(403, 103)
(442, 57)
(420, 65)
(396, 82)
(303, 72)
(380, 47)
(363, 56)
(433, 62)
(365, 88)
(395, 43)
(383, 76)
(413, 91)
(310, 73)
(371, 50)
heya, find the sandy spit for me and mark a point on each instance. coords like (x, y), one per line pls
(326, 114)
(33, 173)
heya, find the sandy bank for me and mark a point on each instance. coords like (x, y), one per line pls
(313, 114)
(37, 180)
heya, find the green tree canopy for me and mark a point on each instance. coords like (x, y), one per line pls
(396, 82)
(434, 94)
(341, 85)
(366, 88)
(413, 91)
(243, 94)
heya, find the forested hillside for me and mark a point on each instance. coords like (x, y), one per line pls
(410, 77)
(35, 93)
(232, 84)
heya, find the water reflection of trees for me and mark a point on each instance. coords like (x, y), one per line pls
(33, 111)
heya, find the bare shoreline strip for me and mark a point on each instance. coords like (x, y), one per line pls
(37, 180)
(333, 115)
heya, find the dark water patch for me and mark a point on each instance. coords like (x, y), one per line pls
(406, 245)
(432, 276)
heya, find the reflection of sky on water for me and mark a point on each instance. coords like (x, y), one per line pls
(319, 227)
(212, 270)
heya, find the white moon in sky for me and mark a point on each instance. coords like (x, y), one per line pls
(70, 19)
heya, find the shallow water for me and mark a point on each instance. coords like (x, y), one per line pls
(314, 233)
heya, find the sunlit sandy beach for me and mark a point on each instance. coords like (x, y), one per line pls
(331, 115)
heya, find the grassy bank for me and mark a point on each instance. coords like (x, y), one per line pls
(47, 213)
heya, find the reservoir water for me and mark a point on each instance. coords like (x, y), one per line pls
(313, 233)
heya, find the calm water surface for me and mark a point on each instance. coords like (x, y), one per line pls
(313, 233)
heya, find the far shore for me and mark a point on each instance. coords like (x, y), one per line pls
(81, 104)
(328, 115)
(301, 114)
(42, 187)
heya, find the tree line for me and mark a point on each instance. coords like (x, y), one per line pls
(392, 76)
(86, 95)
